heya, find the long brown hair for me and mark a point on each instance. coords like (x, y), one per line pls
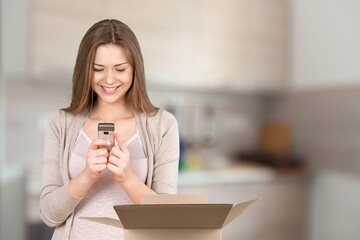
(108, 31)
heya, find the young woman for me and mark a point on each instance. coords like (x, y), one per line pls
(81, 177)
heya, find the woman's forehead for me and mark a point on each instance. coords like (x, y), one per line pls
(110, 54)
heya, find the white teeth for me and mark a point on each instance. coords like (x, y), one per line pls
(109, 89)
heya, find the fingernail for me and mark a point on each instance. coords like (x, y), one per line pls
(108, 142)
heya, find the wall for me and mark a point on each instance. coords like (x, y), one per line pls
(13, 61)
(325, 124)
(15, 25)
(326, 38)
(2, 94)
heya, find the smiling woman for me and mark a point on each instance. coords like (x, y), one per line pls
(80, 176)
(99, 43)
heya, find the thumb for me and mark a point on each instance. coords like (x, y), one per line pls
(120, 141)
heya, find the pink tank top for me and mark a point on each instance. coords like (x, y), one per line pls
(105, 193)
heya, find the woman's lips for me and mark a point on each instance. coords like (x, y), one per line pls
(109, 90)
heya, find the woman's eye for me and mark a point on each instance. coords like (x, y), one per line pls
(120, 70)
(97, 69)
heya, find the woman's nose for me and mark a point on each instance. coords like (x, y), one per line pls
(109, 78)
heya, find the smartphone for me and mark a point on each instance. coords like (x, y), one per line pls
(106, 131)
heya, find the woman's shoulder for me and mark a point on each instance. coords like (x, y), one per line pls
(158, 122)
(161, 116)
(62, 117)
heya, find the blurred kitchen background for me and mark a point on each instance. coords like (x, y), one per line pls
(266, 95)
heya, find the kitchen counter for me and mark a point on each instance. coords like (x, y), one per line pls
(236, 173)
(282, 212)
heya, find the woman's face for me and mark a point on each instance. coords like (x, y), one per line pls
(113, 74)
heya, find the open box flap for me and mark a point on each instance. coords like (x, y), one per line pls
(237, 210)
(173, 216)
(105, 220)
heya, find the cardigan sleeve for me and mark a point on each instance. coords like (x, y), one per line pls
(166, 154)
(56, 203)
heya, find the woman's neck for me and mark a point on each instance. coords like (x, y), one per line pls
(110, 112)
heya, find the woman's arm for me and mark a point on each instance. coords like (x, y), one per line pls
(56, 202)
(166, 155)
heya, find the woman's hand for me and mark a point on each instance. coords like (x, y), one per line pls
(96, 159)
(119, 164)
(119, 161)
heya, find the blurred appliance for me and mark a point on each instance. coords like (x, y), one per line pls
(276, 139)
(275, 147)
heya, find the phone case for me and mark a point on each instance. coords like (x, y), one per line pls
(106, 131)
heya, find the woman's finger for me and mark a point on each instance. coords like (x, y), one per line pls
(120, 142)
(100, 160)
(97, 143)
(114, 160)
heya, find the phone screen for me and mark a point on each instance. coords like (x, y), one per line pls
(106, 131)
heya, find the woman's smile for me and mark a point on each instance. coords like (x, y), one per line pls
(110, 90)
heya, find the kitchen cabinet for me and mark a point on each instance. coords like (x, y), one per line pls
(231, 45)
(287, 206)
(248, 42)
(270, 44)
(281, 214)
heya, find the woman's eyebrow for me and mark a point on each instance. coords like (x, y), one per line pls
(120, 64)
(116, 65)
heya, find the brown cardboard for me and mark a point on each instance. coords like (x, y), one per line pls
(173, 216)
(172, 234)
(200, 221)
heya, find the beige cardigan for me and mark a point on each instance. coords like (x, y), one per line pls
(160, 138)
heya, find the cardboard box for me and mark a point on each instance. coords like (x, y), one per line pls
(175, 217)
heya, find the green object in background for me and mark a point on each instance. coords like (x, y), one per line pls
(182, 164)
(182, 159)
